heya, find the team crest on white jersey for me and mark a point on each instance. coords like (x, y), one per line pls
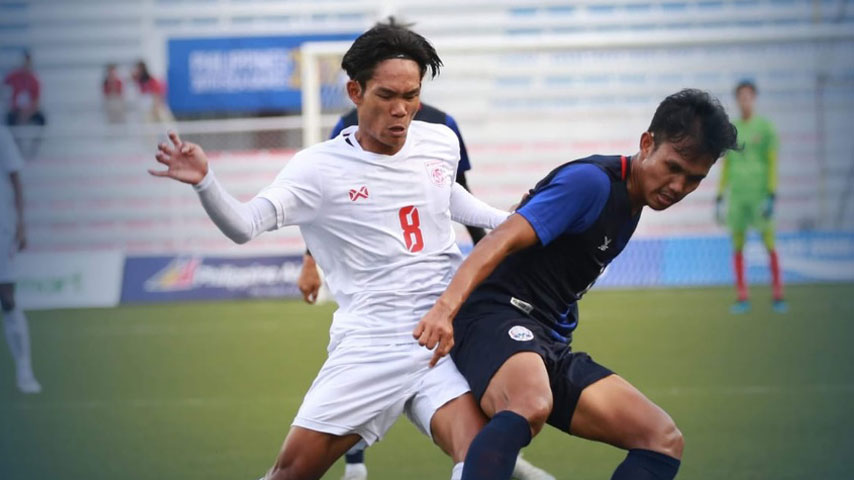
(357, 194)
(439, 172)
(521, 334)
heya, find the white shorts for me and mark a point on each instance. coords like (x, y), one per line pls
(7, 254)
(363, 389)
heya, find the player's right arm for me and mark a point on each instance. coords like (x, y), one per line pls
(570, 203)
(239, 221)
(722, 185)
(725, 173)
(435, 329)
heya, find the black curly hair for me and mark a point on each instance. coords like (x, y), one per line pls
(695, 123)
(385, 41)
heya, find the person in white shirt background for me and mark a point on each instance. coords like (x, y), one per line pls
(13, 238)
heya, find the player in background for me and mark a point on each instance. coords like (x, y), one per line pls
(515, 298)
(375, 207)
(13, 237)
(749, 185)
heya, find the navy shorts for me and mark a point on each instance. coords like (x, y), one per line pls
(487, 333)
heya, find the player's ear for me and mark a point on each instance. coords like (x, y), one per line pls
(647, 144)
(355, 92)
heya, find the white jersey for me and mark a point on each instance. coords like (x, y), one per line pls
(10, 162)
(378, 225)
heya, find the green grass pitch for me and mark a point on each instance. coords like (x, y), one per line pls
(208, 390)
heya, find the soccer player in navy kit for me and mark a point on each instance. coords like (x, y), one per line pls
(511, 338)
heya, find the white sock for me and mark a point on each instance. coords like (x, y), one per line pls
(350, 468)
(18, 338)
(457, 472)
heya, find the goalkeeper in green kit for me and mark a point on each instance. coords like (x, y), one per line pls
(749, 183)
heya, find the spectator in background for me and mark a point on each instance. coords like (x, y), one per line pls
(24, 105)
(114, 100)
(749, 183)
(153, 95)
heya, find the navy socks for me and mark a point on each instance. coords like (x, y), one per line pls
(646, 465)
(492, 454)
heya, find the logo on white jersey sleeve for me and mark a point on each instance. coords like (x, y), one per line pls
(438, 172)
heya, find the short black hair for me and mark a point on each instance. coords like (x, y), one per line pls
(746, 84)
(384, 41)
(695, 123)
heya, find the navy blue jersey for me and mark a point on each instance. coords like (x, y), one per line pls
(425, 114)
(583, 220)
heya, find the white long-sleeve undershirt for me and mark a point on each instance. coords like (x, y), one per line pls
(470, 211)
(239, 221)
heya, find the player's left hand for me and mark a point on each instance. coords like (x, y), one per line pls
(435, 330)
(309, 282)
(768, 206)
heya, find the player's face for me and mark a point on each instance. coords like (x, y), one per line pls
(387, 104)
(665, 176)
(746, 99)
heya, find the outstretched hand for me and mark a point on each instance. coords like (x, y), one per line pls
(186, 161)
(436, 329)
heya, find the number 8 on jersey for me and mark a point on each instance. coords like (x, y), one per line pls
(410, 223)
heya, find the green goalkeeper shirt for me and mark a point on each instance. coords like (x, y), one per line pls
(751, 171)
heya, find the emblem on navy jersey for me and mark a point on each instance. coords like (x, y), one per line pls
(438, 172)
(521, 334)
(605, 244)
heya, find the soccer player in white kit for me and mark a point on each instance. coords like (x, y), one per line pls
(375, 206)
(12, 239)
